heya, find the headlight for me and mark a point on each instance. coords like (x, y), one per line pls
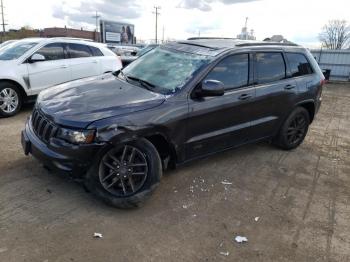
(77, 136)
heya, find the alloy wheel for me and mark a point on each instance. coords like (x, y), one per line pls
(123, 171)
(296, 129)
(8, 100)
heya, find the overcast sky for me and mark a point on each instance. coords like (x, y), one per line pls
(296, 20)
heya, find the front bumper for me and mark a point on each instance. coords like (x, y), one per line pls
(58, 154)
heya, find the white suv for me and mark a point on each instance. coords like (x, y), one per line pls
(30, 65)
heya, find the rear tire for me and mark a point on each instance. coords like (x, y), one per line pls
(294, 129)
(125, 176)
(10, 99)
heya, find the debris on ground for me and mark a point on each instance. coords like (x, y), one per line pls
(226, 182)
(225, 253)
(184, 206)
(256, 219)
(3, 249)
(240, 239)
(48, 191)
(98, 235)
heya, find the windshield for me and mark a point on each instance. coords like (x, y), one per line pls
(166, 70)
(145, 50)
(15, 50)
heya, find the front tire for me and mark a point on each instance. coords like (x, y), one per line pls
(125, 176)
(294, 129)
(10, 99)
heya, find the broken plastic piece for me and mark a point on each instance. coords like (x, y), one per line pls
(225, 253)
(256, 219)
(240, 239)
(226, 183)
(98, 235)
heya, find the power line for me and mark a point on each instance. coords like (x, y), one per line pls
(157, 14)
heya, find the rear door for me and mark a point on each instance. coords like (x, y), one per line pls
(300, 70)
(275, 93)
(216, 123)
(52, 71)
(82, 61)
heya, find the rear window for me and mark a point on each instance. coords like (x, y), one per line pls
(299, 65)
(270, 67)
(95, 51)
(79, 50)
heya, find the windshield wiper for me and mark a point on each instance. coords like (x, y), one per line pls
(120, 72)
(142, 82)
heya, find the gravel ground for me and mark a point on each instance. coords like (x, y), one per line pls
(301, 198)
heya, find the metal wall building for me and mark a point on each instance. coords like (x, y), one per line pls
(338, 61)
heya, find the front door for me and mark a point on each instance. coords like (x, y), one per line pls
(52, 71)
(275, 94)
(216, 123)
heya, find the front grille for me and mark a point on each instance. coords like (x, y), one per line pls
(43, 127)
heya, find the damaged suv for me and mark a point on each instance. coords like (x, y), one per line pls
(181, 101)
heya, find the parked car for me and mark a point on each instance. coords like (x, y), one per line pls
(31, 65)
(179, 102)
(146, 49)
(127, 53)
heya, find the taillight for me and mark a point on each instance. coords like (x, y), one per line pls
(323, 82)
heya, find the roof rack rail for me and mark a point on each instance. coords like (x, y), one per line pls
(72, 38)
(210, 38)
(195, 44)
(266, 44)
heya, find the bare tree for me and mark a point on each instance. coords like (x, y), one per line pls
(335, 34)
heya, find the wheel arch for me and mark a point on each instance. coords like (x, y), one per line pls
(310, 107)
(165, 148)
(20, 87)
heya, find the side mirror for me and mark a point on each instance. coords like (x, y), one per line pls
(134, 53)
(211, 88)
(36, 58)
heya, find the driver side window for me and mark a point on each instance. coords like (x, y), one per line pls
(52, 51)
(232, 71)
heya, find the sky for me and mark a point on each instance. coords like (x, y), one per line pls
(299, 21)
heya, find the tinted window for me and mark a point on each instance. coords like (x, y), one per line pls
(95, 51)
(233, 71)
(52, 51)
(78, 50)
(270, 67)
(299, 65)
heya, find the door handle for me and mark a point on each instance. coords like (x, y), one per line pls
(244, 96)
(288, 87)
(64, 66)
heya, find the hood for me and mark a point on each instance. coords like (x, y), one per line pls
(81, 102)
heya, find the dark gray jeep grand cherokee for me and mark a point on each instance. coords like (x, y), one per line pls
(179, 102)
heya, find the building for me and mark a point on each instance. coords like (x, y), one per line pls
(69, 32)
(245, 34)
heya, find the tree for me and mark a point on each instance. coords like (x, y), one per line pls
(335, 34)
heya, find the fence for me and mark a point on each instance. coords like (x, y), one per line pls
(338, 61)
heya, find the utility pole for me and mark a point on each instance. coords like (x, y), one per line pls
(96, 16)
(157, 14)
(3, 22)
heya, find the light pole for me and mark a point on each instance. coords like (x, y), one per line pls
(3, 21)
